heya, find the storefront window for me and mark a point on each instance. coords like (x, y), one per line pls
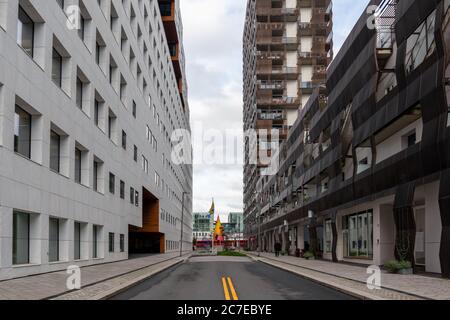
(358, 234)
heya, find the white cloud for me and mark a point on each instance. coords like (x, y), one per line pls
(213, 32)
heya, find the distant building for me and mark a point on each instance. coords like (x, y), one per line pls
(237, 218)
(203, 226)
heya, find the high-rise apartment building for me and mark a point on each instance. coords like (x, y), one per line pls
(88, 102)
(287, 48)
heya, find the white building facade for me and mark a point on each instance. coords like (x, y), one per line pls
(86, 117)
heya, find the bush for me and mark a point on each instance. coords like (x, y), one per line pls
(394, 266)
(308, 255)
(231, 254)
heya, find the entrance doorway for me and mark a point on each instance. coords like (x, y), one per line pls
(148, 238)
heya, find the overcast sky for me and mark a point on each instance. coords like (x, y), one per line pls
(213, 47)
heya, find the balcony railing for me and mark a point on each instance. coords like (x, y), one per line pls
(271, 85)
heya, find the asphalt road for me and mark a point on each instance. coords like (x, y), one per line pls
(219, 278)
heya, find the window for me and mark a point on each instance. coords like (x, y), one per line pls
(124, 140)
(77, 241)
(113, 73)
(82, 27)
(328, 236)
(324, 184)
(122, 189)
(358, 234)
(136, 199)
(112, 120)
(77, 165)
(22, 132)
(447, 89)
(55, 151)
(122, 243)
(111, 242)
(448, 117)
(411, 139)
(131, 195)
(57, 64)
(144, 164)
(21, 238)
(135, 155)
(79, 95)
(122, 90)
(420, 44)
(96, 112)
(53, 240)
(82, 99)
(134, 109)
(99, 51)
(112, 183)
(95, 241)
(25, 32)
(96, 175)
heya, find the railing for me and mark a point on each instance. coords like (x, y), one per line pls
(270, 85)
(385, 24)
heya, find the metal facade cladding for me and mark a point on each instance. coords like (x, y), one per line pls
(352, 79)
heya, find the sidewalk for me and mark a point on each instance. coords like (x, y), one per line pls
(352, 279)
(101, 280)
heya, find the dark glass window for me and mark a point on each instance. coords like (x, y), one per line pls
(22, 132)
(79, 96)
(111, 242)
(95, 182)
(57, 62)
(25, 32)
(122, 243)
(55, 147)
(53, 240)
(21, 238)
(112, 183)
(95, 239)
(77, 241)
(77, 165)
(122, 190)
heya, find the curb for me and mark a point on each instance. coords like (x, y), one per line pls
(350, 291)
(129, 284)
(113, 292)
(350, 279)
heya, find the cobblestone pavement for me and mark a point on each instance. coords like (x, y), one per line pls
(53, 284)
(394, 286)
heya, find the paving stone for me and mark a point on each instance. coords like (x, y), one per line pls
(394, 286)
(48, 285)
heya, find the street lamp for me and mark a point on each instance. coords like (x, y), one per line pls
(182, 222)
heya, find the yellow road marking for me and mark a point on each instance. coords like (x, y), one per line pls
(225, 289)
(233, 292)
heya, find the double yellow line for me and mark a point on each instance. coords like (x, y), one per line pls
(232, 290)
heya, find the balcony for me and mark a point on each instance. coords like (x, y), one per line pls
(283, 101)
(271, 85)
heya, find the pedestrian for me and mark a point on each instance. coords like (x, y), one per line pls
(277, 249)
